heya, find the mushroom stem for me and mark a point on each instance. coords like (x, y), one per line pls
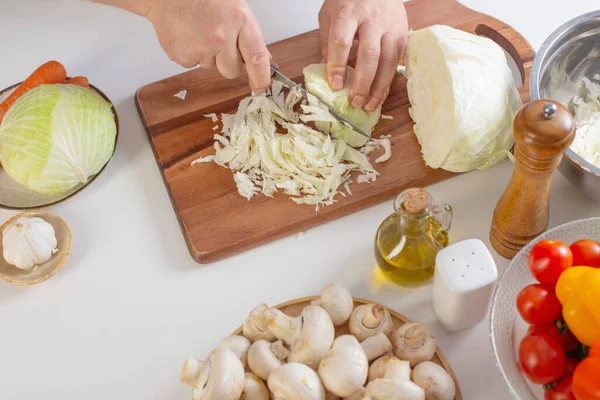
(413, 342)
(373, 316)
(414, 337)
(191, 371)
(256, 325)
(279, 350)
(376, 346)
(284, 327)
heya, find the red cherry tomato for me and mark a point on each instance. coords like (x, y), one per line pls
(586, 253)
(586, 382)
(548, 259)
(562, 390)
(538, 305)
(567, 340)
(542, 359)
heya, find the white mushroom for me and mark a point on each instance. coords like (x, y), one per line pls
(393, 389)
(295, 381)
(395, 385)
(309, 336)
(337, 301)
(255, 326)
(344, 368)
(265, 357)
(369, 319)
(400, 369)
(239, 345)
(254, 388)
(376, 346)
(413, 342)
(435, 381)
(221, 376)
(358, 395)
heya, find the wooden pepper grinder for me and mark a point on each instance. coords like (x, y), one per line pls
(543, 130)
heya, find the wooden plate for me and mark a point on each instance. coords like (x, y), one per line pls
(42, 272)
(293, 308)
(15, 196)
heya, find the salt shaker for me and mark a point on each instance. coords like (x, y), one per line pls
(465, 273)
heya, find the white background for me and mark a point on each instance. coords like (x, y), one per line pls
(131, 305)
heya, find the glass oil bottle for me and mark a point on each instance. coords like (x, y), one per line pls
(408, 241)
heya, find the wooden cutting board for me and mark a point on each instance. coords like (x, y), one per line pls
(216, 221)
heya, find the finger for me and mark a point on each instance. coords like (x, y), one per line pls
(386, 71)
(255, 54)
(324, 28)
(369, 51)
(341, 35)
(229, 61)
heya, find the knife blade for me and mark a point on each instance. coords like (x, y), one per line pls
(275, 74)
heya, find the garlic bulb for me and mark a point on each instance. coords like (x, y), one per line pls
(28, 242)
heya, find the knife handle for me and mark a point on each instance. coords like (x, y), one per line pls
(274, 67)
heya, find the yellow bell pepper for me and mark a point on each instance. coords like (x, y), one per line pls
(578, 290)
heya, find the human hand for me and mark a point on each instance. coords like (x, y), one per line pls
(213, 33)
(381, 28)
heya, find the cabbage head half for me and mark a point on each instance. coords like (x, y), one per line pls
(463, 98)
(55, 137)
(315, 77)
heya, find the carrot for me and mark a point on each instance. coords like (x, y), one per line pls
(51, 72)
(78, 80)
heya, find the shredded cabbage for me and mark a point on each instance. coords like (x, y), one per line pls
(585, 107)
(269, 149)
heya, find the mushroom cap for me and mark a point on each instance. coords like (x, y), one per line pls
(393, 389)
(254, 388)
(435, 381)
(315, 337)
(389, 367)
(295, 381)
(261, 359)
(225, 378)
(344, 368)
(337, 301)
(369, 319)
(413, 342)
(239, 345)
(256, 324)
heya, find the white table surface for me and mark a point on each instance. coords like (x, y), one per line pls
(131, 305)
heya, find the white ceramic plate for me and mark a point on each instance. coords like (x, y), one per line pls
(506, 326)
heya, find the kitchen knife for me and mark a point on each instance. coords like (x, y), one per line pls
(278, 76)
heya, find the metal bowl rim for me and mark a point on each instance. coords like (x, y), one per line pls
(534, 87)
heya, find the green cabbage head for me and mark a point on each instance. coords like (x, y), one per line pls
(55, 137)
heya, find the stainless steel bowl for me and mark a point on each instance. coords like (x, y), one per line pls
(569, 54)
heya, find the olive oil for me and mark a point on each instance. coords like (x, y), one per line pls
(407, 243)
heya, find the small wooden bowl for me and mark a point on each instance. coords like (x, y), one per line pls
(42, 272)
(15, 196)
(293, 308)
